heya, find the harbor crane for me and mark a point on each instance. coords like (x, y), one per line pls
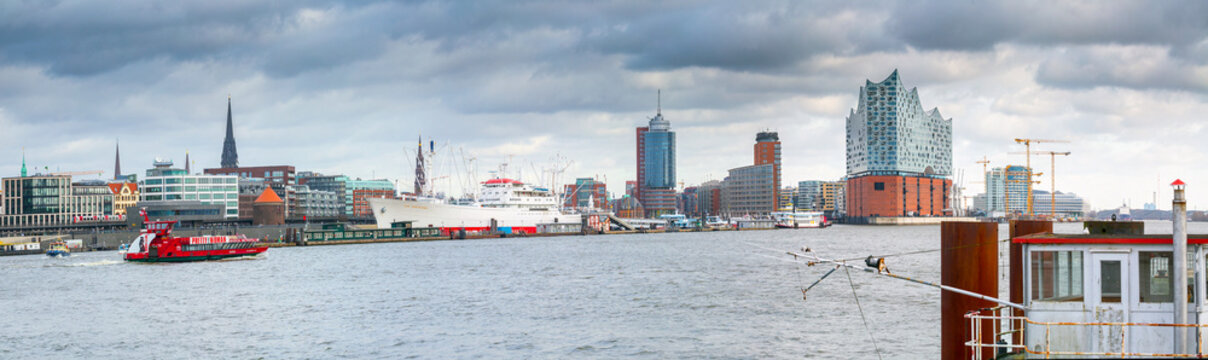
(1027, 143)
(1052, 176)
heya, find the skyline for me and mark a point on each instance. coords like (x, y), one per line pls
(1125, 82)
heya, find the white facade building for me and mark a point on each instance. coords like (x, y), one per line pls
(163, 183)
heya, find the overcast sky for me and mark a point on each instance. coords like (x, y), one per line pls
(346, 87)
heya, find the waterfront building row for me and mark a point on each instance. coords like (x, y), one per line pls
(52, 200)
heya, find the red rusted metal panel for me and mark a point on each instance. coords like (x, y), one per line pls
(1022, 228)
(969, 261)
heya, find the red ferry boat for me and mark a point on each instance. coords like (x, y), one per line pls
(156, 244)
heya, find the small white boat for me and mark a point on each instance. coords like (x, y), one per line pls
(797, 220)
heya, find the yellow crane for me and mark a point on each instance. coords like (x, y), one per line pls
(985, 164)
(1052, 176)
(1027, 143)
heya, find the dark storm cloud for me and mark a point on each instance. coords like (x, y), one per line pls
(86, 38)
(743, 36)
(979, 25)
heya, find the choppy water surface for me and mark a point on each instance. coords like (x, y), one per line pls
(685, 295)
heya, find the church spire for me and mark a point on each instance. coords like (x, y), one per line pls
(230, 158)
(117, 161)
(420, 173)
(24, 173)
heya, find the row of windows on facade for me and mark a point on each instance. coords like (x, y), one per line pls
(1058, 276)
(172, 189)
(192, 180)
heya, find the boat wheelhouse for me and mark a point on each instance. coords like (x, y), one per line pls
(1100, 295)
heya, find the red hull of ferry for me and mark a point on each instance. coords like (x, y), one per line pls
(174, 254)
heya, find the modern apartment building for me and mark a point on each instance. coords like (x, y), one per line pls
(586, 193)
(767, 151)
(749, 191)
(899, 156)
(165, 183)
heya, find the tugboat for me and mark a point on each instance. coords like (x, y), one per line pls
(156, 244)
(58, 249)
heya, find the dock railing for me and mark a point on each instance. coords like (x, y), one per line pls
(1006, 323)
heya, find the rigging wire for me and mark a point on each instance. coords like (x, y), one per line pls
(862, 317)
(916, 252)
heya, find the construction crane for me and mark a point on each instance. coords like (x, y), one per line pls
(1027, 143)
(985, 165)
(78, 173)
(1052, 176)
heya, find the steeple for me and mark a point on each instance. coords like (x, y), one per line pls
(230, 158)
(117, 161)
(420, 174)
(24, 173)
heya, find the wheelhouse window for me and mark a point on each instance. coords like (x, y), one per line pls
(1157, 279)
(1155, 276)
(1057, 276)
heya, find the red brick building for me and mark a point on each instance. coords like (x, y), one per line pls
(767, 151)
(897, 196)
(284, 175)
(641, 160)
(360, 200)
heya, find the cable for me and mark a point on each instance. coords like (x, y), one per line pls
(862, 317)
(916, 252)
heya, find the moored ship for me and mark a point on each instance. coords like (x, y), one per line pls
(156, 244)
(794, 220)
(508, 205)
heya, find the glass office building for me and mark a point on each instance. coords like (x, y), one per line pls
(164, 183)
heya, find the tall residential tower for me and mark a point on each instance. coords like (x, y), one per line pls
(656, 165)
(899, 156)
(767, 151)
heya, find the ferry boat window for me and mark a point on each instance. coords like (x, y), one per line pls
(1109, 282)
(1057, 275)
(1157, 284)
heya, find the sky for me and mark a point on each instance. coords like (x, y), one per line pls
(348, 87)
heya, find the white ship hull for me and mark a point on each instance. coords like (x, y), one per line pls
(471, 218)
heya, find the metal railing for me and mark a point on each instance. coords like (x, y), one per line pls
(1005, 324)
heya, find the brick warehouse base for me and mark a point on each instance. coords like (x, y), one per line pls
(880, 195)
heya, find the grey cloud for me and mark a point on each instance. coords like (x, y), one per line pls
(1138, 67)
(979, 25)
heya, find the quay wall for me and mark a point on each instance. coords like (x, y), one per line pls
(930, 220)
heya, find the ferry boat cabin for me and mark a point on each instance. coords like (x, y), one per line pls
(1090, 279)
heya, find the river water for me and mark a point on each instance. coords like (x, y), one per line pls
(678, 295)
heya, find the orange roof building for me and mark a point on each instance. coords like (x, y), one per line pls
(268, 209)
(269, 196)
(125, 195)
